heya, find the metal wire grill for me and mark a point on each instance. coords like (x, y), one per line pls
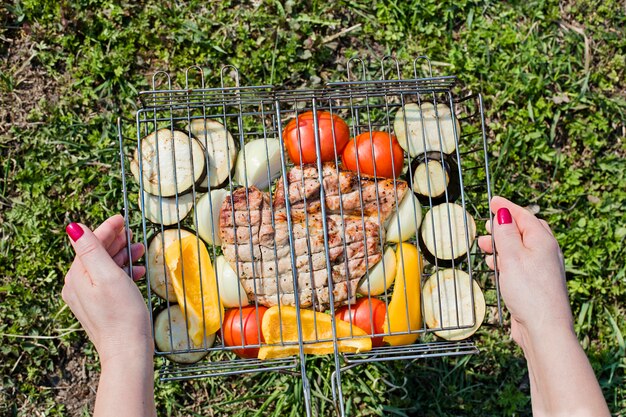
(295, 265)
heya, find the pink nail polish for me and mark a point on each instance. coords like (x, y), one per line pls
(74, 231)
(504, 216)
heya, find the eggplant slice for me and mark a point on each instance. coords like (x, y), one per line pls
(418, 131)
(444, 235)
(448, 302)
(166, 210)
(220, 148)
(433, 177)
(170, 335)
(179, 165)
(158, 275)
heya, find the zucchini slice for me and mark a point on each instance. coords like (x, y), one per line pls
(444, 234)
(418, 131)
(170, 335)
(171, 172)
(220, 148)
(448, 304)
(158, 277)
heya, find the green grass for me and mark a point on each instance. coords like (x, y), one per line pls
(555, 97)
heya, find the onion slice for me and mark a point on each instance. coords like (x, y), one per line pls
(208, 210)
(259, 164)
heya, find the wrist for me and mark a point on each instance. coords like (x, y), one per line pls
(140, 353)
(555, 333)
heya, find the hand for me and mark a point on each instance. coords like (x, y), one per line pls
(102, 296)
(532, 275)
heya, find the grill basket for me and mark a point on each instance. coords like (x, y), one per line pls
(260, 113)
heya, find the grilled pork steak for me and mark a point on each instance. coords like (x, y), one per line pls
(256, 237)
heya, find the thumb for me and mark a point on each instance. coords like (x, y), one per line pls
(506, 234)
(93, 256)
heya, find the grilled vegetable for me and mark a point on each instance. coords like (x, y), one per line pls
(445, 237)
(166, 210)
(243, 328)
(374, 151)
(208, 215)
(404, 313)
(299, 137)
(368, 314)
(406, 220)
(194, 283)
(170, 335)
(448, 303)
(259, 163)
(425, 130)
(158, 275)
(232, 292)
(171, 163)
(280, 326)
(433, 177)
(381, 276)
(220, 148)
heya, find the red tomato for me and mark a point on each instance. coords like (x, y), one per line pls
(234, 321)
(367, 314)
(304, 141)
(384, 154)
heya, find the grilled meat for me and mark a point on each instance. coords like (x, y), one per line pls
(257, 240)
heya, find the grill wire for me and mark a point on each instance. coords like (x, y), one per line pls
(260, 113)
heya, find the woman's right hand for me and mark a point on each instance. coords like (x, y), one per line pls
(532, 274)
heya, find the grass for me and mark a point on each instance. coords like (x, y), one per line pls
(553, 80)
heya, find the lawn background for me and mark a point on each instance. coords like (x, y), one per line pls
(552, 74)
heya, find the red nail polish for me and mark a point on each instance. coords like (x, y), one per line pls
(504, 216)
(74, 231)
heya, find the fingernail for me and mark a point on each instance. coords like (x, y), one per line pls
(74, 231)
(504, 216)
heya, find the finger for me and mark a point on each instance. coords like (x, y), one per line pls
(138, 272)
(506, 235)
(488, 226)
(485, 244)
(524, 219)
(91, 254)
(109, 230)
(489, 261)
(546, 226)
(121, 241)
(136, 252)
